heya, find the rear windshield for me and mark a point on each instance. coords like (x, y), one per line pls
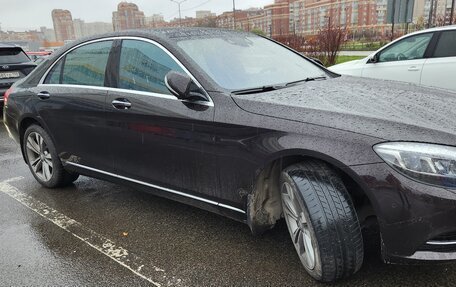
(12, 56)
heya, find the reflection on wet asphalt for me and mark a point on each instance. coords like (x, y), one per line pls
(182, 242)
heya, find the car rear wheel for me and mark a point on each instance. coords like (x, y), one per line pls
(43, 160)
(321, 220)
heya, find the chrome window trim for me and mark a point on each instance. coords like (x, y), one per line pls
(209, 103)
(183, 194)
(434, 242)
(156, 95)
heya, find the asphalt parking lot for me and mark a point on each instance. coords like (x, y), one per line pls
(97, 233)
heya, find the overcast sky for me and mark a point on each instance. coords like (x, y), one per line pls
(31, 14)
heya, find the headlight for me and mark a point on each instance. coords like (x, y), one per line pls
(430, 163)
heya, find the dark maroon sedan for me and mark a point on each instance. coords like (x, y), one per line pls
(242, 126)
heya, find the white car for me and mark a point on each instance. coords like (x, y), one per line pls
(425, 58)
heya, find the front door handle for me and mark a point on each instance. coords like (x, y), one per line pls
(43, 95)
(121, 104)
(413, 69)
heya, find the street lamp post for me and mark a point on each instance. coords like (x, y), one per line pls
(431, 11)
(329, 22)
(234, 14)
(392, 22)
(452, 12)
(179, 6)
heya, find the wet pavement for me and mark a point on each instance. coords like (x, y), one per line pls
(98, 233)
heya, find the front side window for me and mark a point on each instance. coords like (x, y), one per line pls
(410, 48)
(244, 61)
(85, 66)
(143, 67)
(446, 47)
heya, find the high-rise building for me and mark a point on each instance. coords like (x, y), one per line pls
(309, 16)
(127, 16)
(154, 21)
(63, 25)
(48, 34)
(78, 26)
(440, 13)
(83, 29)
(201, 14)
(278, 17)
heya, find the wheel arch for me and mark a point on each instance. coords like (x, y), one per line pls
(264, 207)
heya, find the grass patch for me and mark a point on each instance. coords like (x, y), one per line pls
(343, 59)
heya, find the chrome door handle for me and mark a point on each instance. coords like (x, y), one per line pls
(43, 95)
(121, 104)
(413, 69)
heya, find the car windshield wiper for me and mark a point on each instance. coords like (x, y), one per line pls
(258, 90)
(309, 79)
(275, 87)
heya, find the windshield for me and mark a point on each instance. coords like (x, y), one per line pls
(244, 62)
(13, 56)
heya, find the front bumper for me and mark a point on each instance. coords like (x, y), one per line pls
(417, 221)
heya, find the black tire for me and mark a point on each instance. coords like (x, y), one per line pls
(59, 177)
(332, 223)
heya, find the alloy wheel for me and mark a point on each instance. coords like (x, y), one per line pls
(298, 226)
(39, 156)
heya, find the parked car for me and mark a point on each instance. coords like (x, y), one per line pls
(14, 65)
(242, 126)
(38, 57)
(426, 58)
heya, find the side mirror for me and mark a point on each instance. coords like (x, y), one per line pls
(178, 84)
(373, 59)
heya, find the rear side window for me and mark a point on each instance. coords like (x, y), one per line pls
(54, 75)
(13, 56)
(446, 47)
(143, 67)
(85, 66)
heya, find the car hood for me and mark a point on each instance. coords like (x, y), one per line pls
(383, 109)
(347, 65)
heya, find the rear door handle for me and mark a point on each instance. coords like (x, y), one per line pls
(121, 104)
(413, 69)
(43, 95)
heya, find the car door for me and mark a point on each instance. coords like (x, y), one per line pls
(401, 61)
(71, 101)
(439, 69)
(155, 138)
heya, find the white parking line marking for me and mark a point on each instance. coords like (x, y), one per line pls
(122, 256)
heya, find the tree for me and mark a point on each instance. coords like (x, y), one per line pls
(326, 44)
(440, 20)
(258, 32)
(207, 22)
(420, 23)
(295, 42)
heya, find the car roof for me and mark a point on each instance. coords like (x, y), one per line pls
(167, 35)
(435, 29)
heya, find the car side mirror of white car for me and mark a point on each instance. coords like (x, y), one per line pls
(373, 59)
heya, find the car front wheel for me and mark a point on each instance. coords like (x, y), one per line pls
(43, 160)
(321, 220)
